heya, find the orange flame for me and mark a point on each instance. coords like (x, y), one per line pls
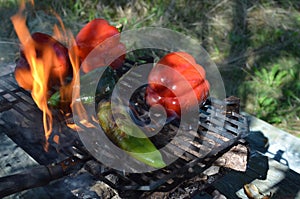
(40, 69)
(40, 66)
(40, 73)
(72, 90)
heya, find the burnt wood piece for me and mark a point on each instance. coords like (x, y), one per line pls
(232, 105)
(37, 176)
(235, 159)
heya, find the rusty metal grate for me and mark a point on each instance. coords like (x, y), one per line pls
(20, 119)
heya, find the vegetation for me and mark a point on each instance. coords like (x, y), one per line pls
(255, 43)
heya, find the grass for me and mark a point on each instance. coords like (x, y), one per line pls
(255, 43)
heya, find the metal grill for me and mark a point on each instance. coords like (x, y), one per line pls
(212, 139)
(21, 120)
(219, 129)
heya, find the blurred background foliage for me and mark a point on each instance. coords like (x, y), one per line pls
(255, 43)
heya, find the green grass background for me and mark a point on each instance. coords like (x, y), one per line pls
(255, 43)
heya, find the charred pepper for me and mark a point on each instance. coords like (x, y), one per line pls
(139, 147)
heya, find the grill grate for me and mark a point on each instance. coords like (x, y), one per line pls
(20, 119)
(210, 141)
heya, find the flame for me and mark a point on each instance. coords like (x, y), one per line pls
(72, 90)
(83, 122)
(40, 67)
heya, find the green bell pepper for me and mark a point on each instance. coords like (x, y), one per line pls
(139, 147)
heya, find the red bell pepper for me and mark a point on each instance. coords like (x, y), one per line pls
(177, 76)
(59, 63)
(100, 32)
